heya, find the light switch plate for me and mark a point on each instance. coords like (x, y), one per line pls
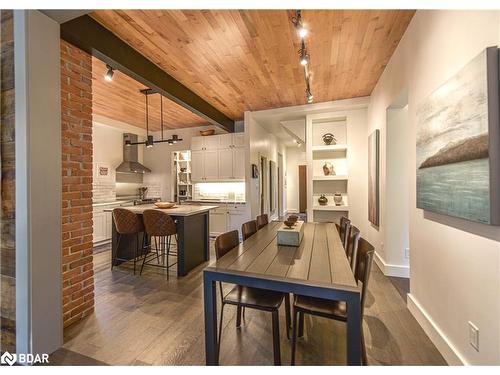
(474, 336)
(407, 253)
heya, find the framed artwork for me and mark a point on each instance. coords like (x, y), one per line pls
(373, 178)
(458, 144)
(103, 171)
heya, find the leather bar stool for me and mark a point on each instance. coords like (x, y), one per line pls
(248, 229)
(127, 223)
(336, 310)
(160, 227)
(252, 298)
(262, 221)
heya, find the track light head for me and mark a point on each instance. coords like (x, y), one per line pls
(109, 74)
(309, 96)
(302, 32)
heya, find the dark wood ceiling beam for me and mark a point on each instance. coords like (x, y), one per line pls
(90, 36)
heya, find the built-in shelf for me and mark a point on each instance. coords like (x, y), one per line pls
(330, 178)
(331, 208)
(338, 147)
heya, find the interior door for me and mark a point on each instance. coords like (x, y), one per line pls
(302, 188)
(211, 164)
(226, 164)
(197, 165)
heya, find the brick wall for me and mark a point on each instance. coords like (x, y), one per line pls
(76, 132)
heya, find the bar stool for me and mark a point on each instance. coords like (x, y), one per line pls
(262, 221)
(127, 223)
(160, 227)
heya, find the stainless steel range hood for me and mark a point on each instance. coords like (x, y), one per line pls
(130, 162)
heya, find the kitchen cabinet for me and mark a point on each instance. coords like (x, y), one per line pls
(102, 222)
(228, 216)
(226, 164)
(205, 143)
(99, 227)
(239, 164)
(204, 165)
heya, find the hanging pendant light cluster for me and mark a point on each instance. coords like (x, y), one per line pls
(304, 58)
(149, 142)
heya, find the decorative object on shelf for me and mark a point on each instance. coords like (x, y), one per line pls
(329, 139)
(373, 177)
(165, 204)
(293, 218)
(322, 200)
(183, 169)
(207, 132)
(458, 144)
(337, 198)
(255, 171)
(328, 169)
(289, 223)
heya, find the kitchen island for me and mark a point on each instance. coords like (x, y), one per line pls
(193, 247)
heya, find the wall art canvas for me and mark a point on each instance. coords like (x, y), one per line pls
(458, 137)
(373, 178)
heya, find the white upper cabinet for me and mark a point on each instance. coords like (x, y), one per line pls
(197, 165)
(238, 164)
(239, 139)
(197, 143)
(218, 157)
(211, 161)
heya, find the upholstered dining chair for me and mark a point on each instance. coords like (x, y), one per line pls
(160, 227)
(262, 221)
(127, 223)
(336, 310)
(351, 249)
(252, 298)
(248, 229)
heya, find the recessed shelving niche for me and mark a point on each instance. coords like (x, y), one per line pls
(335, 155)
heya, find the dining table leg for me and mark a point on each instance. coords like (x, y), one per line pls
(210, 305)
(354, 330)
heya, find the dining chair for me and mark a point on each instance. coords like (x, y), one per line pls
(351, 249)
(252, 298)
(160, 227)
(336, 310)
(345, 226)
(262, 221)
(127, 223)
(248, 229)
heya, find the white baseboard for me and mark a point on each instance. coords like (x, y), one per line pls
(438, 338)
(391, 269)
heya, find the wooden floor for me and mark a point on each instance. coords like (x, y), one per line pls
(147, 320)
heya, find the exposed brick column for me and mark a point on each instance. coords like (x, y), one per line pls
(76, 132)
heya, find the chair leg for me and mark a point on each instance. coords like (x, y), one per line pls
(136, 249)
(143, 260)
(238, 316)
(287, 315)
(220, 329)
(301, 324)
(168, 255)
(294, 335)
(113, 254)
(364, 359)
(276, 338)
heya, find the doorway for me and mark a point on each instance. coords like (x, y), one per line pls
(302, 189)
(280, 185)
(264, 186)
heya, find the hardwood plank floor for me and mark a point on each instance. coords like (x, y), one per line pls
(147, 320)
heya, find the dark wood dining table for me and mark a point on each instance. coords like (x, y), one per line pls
(317, 268)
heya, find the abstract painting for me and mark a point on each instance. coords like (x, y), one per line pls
(373, 178)
(457, 144)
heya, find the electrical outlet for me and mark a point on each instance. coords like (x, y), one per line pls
(474, 336)
(407, 253)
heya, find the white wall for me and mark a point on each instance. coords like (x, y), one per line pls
(259, 143)
(454, 263)
(295, 156)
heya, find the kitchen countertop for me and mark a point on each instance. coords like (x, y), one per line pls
(215, 202)
(180, 210)
(112, 203)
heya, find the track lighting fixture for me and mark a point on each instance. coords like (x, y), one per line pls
(309, 96)
(304, 58)
(302, 32)
(109, 74)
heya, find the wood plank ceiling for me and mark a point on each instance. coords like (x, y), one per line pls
(240, 60)
(121, 100)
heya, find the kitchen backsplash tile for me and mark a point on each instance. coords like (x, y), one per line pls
(103, 191)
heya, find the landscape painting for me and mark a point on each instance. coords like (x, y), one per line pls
(453, 139)
(373, 178)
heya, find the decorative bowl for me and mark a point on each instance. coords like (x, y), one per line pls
(204, 133)
(165, 204)
(183, 169)
(293, 218)
(289, 223)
